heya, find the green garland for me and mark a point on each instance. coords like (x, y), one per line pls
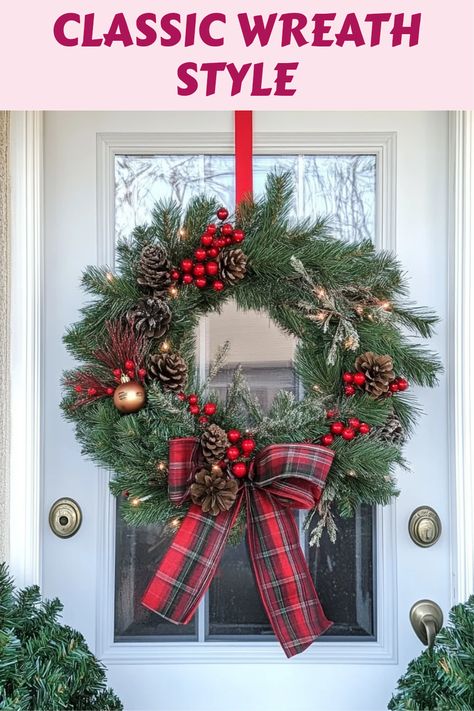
(340, 300)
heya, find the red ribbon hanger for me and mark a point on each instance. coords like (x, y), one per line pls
(243, 137)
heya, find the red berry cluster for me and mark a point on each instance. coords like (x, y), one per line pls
(130, 370)
(240, 448)
(357, 380)
(347, 430)
(203, 270)
(204, 413)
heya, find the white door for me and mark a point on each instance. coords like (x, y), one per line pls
(385, 175)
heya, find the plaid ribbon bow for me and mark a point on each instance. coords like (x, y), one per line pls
(282, 477)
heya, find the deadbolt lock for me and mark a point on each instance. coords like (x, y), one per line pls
(424, 526)
(65, 517)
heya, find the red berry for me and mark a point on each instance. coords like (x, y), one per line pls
(129, 365)
(210, 408)
(364, 428)
(187, 265)
(233, 453)
(402, 384)
(393, 387)
(227, 230)
(349, 390)
(348, 433)
(206, 240)
(218, 285)
(212, 252)
(327, 440)
(221, 242)
(238, 236)
(200, 282)
(233, 436)
(222, 213)
(211, 229)
(203, 420)
(187, 279)
(182, 397)
(354, 422)
(331, 413)
(110, 391)
(141, 373)
(193, 399)
(78, 388)
(194, 409)
(175, 274)
(200, 254)
(337, 427)
(212, 268)
(239, 469)
(359, 379)
(228, 240)
(131, 374)
(92, 392)
(248, 445)
(199, 270)
(117, 372)
(347, 377)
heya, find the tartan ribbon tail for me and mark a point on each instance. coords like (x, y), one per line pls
(282, 575)
(182, 458)
(189, 564)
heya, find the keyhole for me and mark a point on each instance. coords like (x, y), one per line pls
(63, 520)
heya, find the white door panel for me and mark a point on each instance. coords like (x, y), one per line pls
(171, 676)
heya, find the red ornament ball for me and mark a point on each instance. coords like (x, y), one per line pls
(200, 282)
(212, 268)
(211, 229)
(393, 387)
(221, 242)
(331, 413)
(239, 469)
(233, 436)
(354, 422)
(206, 240)
(248, 445)
(203, 420)
(210, 408)
(402, 384)
(222, 213)
(187, 265)
(227, 230)
(91, 392)
(233, 453)
(182, 397)
(199, 270)
(175, 274)
(364, 428)
(327, 440)
(187, 279)
(193, 399)
(129, 365)
(218, 285)
(212, 252)
(347, 377)
(238, 236)
(359, 379)
(349, 390)
(337, 427)
(348, 433)
(110, 391)
(194, 409)
(200, 254)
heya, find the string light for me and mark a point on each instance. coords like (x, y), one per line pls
(216, 469)
(351, 472)
(173, 292)
(174, 523)
(110, 277)
(316, 388)
(135, 502)
(320, 292)
(182, 233)
(386, 305)
(165, 346)
(162, 466)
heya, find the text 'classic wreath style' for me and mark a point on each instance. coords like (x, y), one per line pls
(208, 469)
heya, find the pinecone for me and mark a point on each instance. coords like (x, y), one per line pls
(170, 369)
(392, 431)
(212, 491)
(151, 316)
(214, 443)
(232, 266)
(154, 270)
(378, 371)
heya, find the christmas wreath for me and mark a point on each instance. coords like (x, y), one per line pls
(209, 469)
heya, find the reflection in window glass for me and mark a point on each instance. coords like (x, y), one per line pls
(343, 188)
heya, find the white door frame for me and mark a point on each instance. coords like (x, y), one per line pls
(26, 166)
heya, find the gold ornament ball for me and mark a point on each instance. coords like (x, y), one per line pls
(129, 397)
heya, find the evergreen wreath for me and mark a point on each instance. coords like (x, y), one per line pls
(138, 386)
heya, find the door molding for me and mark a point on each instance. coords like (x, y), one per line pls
(26, 518)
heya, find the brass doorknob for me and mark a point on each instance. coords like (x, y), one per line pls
(424, 526)
(65, 517)
(426, 618)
